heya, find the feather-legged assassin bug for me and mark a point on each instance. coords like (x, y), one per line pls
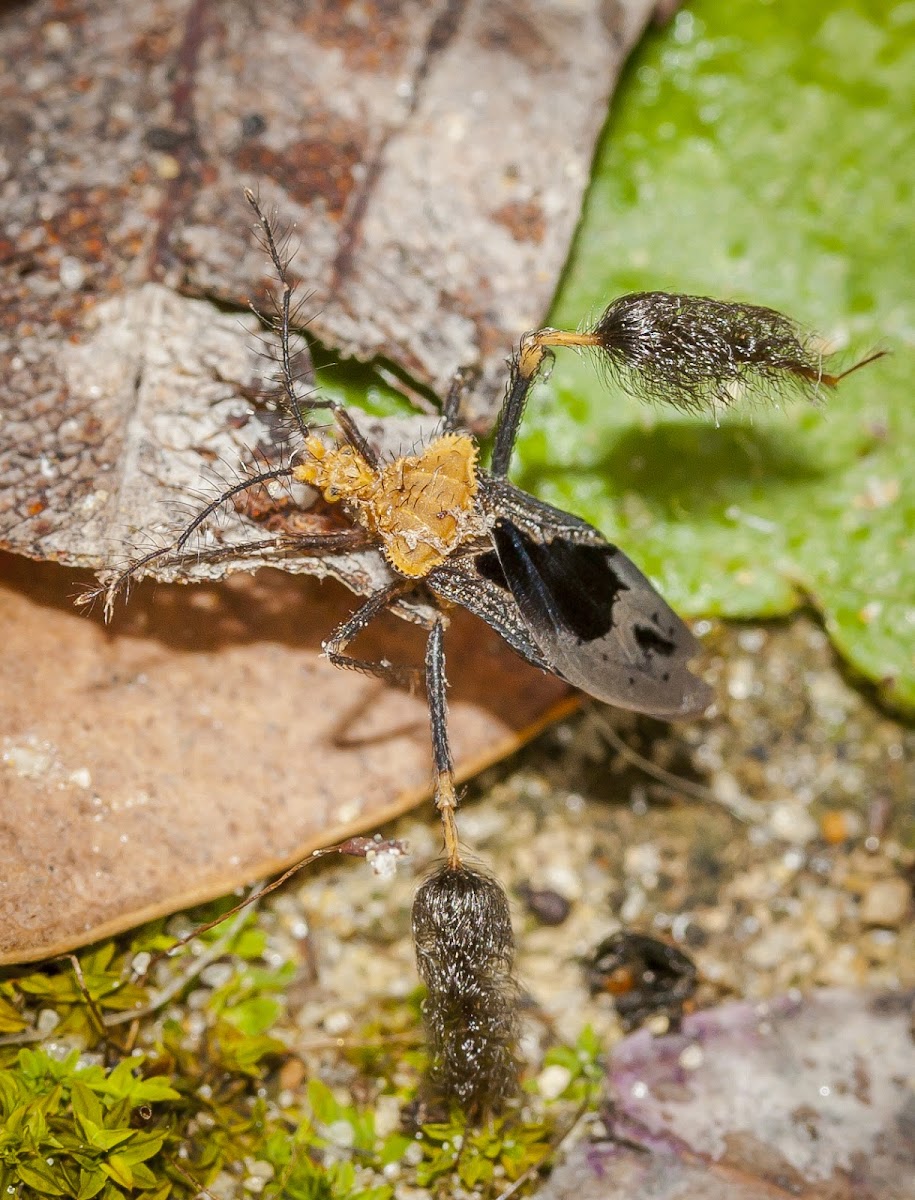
(568, 601)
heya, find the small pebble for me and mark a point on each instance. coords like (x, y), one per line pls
(72, 273)
(549, 907)
(658, 1025)
(139, 964)
(217, 974)
(840, 825)
(48, 1019)
(342, 1134)
(337, 1022)
(292, 1072)
(692, 1057)
(886, 902)
(553, 1081)
(167, 166)
(57, 36)
(259, 1168)
(792, 823)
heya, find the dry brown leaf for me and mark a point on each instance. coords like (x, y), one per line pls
(206, 742)
(432, 158)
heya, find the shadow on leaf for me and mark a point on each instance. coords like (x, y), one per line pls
(676, 465)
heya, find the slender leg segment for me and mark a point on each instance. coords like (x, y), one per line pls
(690, 352)
(451, 409)
(281, 325)
(525, 367)
(281, 322)
(436, 687)
(465, 950)
(833, 381)
(345, 541)
(336, 644)
(166, 554)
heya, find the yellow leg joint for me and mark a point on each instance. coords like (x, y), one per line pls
(446, 803)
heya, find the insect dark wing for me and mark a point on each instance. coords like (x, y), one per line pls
(597, 620)
(459, 582)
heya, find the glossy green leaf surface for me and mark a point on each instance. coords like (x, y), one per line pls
(761, 152)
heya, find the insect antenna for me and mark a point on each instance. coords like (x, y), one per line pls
(282, 328)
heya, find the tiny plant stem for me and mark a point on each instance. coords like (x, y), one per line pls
(95, 1014)
(740, 808)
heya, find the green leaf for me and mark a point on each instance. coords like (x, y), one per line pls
(323, 1103)
(152, 1090)
(124, 1084)
(143, 1177)
(91, 1182)
(99, 1138)
(106, 1139)
(250, 943)
(11, 1130)
(475, 1169)
(121, 1080)
(42, 1178)
(589, 1045)
(393, 1148)
(118, 1170)
(751, 156)
(162, 1190)
(241, 1052)
(37, 1068)
(343, 1177)
(254, 1015)
(86, 1104)
(36, 1124)
(563, 1056)
(53, 987)
(98, 959)
(11, 1019)
(10, 1092)
(142, 1147)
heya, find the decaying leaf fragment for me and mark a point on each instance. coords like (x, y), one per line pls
(206, 742)
(431, 158)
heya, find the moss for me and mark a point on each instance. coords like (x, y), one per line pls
(193, 1092)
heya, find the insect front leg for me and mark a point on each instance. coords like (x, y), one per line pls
(436, 688)
(462, 379)
(336, 644)
(281, 324)
(525, 367)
